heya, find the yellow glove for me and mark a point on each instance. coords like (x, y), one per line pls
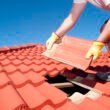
(53, 38)
(95, 50)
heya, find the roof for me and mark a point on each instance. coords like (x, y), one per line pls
(25, 59)
(23, 84)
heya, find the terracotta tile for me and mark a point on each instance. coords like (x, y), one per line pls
(52, 93)
(53, 73)
(21, 57)
(32, 96)
(24, 53)
(35, 77)
(47, 107)
(69, 67)
(48, 67)
(60, 67)
(104, 100)
(9, 99)
(103, 86)
(12, 57)
(91, 104)
(68, 105)
(1, 68)
(70, 54)
(4, 80)
(29, 57)
(37, 68)
(18, 79)
(43, 73)
(38, 57)
(16, 62)
(45, 61)
(23, 68)
(9, 68)
(36, 62)
(8, 54)
(27, 62)
(2, 57)
(5, 62)
(17, 53)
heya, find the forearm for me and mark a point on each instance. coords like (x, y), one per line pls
(105, 35)
(70, 21)
(66, 26)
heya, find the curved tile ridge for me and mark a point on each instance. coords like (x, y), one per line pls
(67, 105)
(54, 95)
(4, 80)
(10, 100)
(32, 97)
(41, 96)
(51, 69)
(28, 59)
(20, 80)
(10, 48)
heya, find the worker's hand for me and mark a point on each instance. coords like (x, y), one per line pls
(95, 50)
(53, 38)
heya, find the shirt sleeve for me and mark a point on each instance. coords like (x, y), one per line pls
(107, 2)
(79, 1)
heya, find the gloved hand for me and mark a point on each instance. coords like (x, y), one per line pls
(53, 38)
(95, 50)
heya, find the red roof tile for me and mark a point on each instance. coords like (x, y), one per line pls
(104, 100)
(71, 51)
(4, 80)
(68, 106)
(90, 104)
(10, 99)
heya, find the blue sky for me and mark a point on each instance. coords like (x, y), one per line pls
(33, 21)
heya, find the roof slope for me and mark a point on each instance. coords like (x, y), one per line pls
(25, 59)
(24, 87)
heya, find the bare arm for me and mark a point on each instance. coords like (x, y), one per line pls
(72, 18)
(105, 35)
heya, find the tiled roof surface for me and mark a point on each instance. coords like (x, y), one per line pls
(28, 58)
(24, 87)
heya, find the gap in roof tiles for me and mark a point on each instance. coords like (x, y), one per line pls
(72, 84)
(63, 84)
(76, 88)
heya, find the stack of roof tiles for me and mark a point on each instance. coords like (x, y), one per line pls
(23, 85)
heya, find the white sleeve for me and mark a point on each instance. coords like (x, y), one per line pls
(80, 1)
(107, 2)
